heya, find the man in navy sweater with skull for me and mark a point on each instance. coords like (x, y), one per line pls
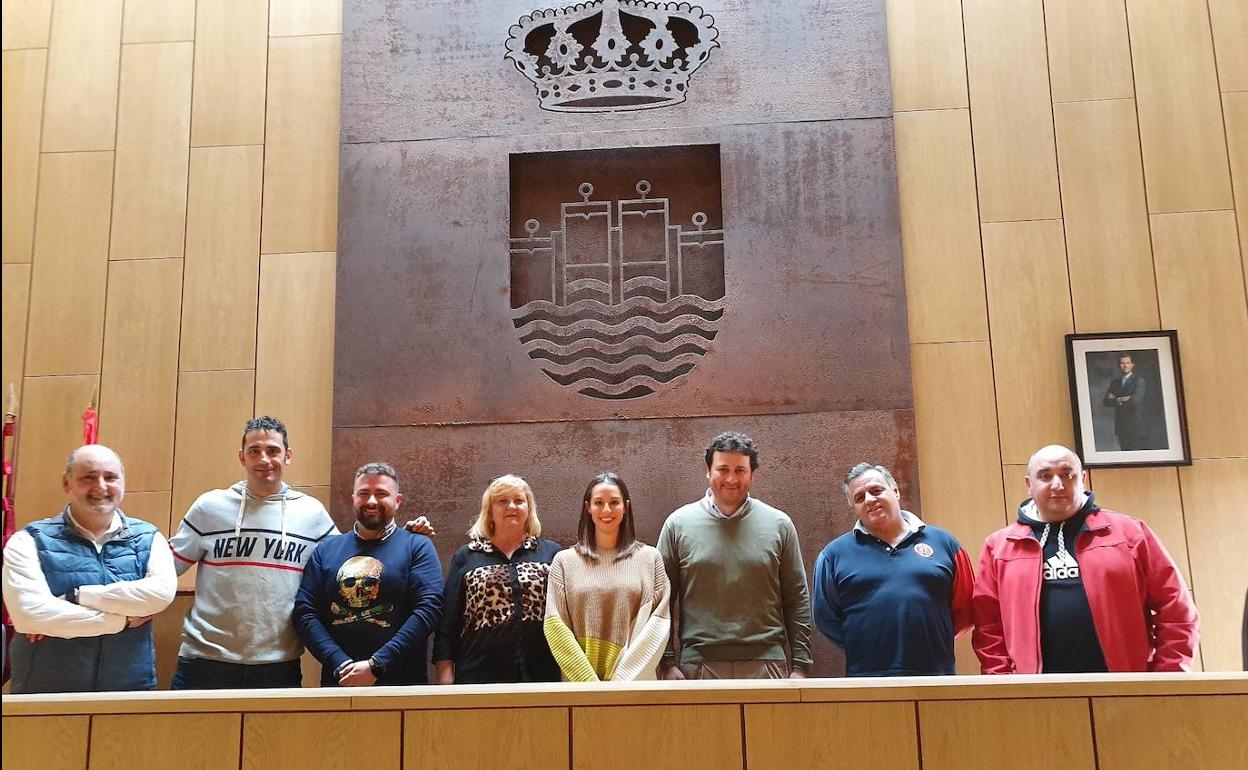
(370, 598)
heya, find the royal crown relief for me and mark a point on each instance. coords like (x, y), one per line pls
(612, 55)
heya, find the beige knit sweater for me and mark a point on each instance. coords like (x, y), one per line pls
(607, 619)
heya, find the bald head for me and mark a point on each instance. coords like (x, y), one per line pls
(1055, 481)
(1053, 452)
(94, 451)
(96, 483)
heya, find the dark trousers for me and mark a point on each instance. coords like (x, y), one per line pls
(203, 674)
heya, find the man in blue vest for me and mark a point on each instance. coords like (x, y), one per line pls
(82, 586)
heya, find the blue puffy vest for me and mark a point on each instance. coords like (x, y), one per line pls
(121, 661)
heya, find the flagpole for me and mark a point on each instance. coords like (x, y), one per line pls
(8, 450)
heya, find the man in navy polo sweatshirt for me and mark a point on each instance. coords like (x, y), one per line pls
(892, 592)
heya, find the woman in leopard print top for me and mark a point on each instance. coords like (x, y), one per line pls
(495, 595)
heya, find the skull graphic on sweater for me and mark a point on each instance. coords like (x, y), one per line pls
(359, 581)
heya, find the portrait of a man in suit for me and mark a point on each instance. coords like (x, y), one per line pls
(1128, 395)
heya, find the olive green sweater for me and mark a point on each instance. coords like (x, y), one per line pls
(738, 583)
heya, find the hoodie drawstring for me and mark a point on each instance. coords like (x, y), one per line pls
(1061, 537)
(242, 506)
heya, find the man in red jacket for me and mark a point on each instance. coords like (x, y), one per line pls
(1071, 587)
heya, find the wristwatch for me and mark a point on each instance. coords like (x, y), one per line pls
(376, 667)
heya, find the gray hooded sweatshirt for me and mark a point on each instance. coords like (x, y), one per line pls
(251, 553)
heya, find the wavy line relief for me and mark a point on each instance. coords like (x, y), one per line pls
(636, 391)
(602, 313)
(590, 326)
(616, 339)
(589, 354)
(591, 373)
(650, 306)
(665, 336)
(623, 364)
(633, 341)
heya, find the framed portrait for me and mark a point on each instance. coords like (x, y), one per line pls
(1126, 393)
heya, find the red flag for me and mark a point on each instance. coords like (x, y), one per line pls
(91, 423)
(6, 454)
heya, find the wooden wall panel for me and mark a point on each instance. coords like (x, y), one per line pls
(1089, 53)
(1235, 111)
(688, 737)
(158, 21)
(185, 741)
(301, 147)
(51, 428)
(1029, 312)
(324, 493)
(212, 409)
(139, 383)
(955, 415)
(152, 507)
(1229, 19)
(1213, 497)
(71, 264)
(304, 17)
(22, 113)
(16, 287)
(80, 112)
(1201, 292)
(1107, 243)
(153, 140)
(300, 741)
(222, 258)
(517, 739)
(296, 334)
(1011, 113)
(1169, 738)
(985, 733)
(1151, 494)
(47, 743)
(940, 227)
(26, 24)
(1177, 90)
(926, 54)
(231, 48)
(808, 735)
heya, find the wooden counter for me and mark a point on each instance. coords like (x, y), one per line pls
(1068, 722)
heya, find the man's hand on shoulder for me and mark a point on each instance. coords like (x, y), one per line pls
(421, 526)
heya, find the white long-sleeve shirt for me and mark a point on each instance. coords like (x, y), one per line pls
(101, 609)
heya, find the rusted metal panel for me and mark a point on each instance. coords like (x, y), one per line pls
(472, 216)
(814, 310)
(437, 69)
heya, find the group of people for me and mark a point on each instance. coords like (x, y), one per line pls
(1069, 587)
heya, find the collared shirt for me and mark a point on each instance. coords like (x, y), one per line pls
(386, 532)
(719, 514)
(101, 609)
(909, 523)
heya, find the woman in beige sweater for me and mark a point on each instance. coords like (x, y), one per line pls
(607, 615)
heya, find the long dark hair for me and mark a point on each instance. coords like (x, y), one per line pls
(585, 532)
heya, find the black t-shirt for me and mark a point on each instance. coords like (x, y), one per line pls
(1068, 640)
(493, 610)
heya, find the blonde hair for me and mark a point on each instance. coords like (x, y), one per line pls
(483, 527)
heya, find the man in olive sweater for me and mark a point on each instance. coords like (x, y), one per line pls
(740, 605)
